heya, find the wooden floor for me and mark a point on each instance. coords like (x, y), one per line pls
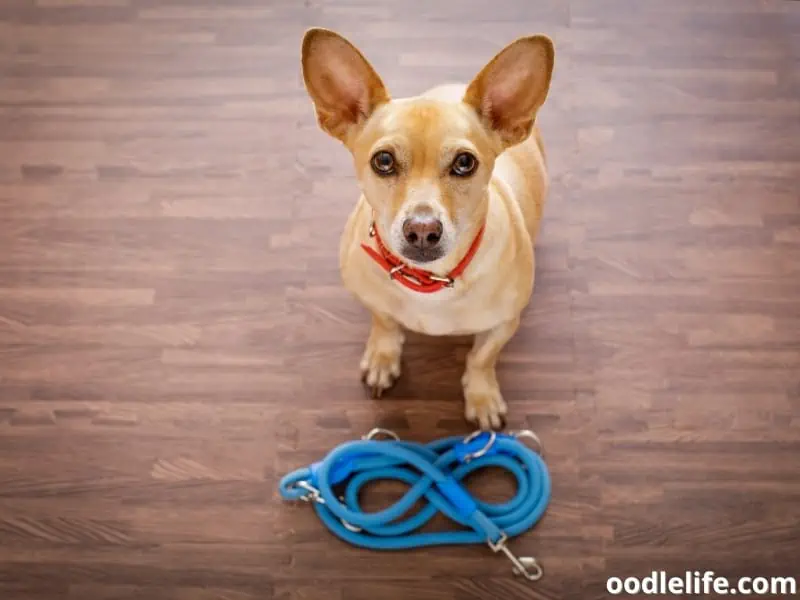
(174, 336)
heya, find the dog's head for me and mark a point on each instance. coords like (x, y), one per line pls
(424, 164)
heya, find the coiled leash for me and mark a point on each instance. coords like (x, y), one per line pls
(432, 471)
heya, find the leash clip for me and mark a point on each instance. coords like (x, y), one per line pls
(313, 493)
(521, 563)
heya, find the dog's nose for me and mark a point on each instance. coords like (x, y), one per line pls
(423, 232)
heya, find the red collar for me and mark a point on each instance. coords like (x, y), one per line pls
(413, 278)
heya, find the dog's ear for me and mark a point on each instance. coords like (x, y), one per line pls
(344, 87)
(513, 86)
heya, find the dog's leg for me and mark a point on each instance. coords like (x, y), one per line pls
(380, 366)
(484, 403)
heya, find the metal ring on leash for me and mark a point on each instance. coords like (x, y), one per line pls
(380, 431)
(528, 434)
(350, 527)
(482, 451)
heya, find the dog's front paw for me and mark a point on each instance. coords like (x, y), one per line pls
(380, 366)
(484, 405)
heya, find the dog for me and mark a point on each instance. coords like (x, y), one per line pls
(453, 185)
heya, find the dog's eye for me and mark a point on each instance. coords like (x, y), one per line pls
(464, 164)
(383, 163)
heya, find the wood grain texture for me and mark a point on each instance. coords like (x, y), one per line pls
(174, 336)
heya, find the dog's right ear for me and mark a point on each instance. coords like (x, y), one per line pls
(344, 87)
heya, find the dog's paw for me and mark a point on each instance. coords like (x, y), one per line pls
(380, 366)
(486, 410)
(483, 403)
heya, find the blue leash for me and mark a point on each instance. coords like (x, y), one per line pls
(432, 471)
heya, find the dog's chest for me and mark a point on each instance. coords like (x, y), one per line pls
(446, 313)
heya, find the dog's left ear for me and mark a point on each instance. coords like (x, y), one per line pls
(343, 85)
(512, 87)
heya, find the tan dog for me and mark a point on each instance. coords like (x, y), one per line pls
(453, 183)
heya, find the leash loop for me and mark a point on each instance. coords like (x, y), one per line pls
(433, 473)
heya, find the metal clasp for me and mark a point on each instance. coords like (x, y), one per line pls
(482, 451)
(313, 493)
(527, 566)
(399, 269)
(447, 281)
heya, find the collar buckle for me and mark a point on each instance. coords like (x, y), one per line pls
(447, 281)
(417, 279)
